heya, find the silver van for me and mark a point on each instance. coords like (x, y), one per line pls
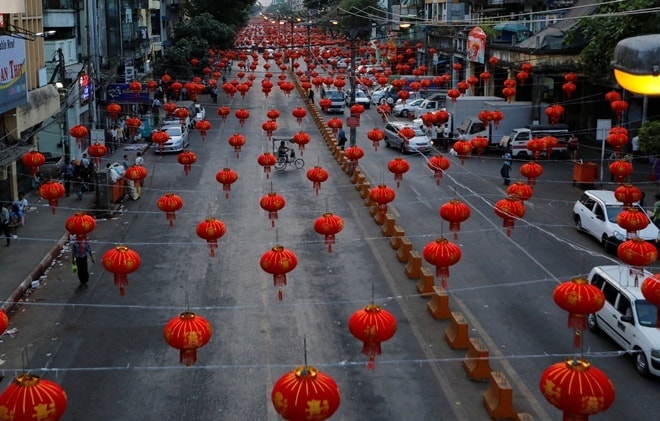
(338, 99)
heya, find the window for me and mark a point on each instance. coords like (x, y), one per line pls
(610, 293)
(597, 281)
(623, 306)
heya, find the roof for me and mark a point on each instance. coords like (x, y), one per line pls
(511, 27)
(626, 278)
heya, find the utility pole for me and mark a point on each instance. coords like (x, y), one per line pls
(64, 105)
(353, 129)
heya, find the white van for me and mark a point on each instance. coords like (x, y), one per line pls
(519, 137)
(627, 317)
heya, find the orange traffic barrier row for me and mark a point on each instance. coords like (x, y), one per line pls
(457, 332)
(395, 239)
(379, 217)
(476, 363)
(388, 225)
(403, 253)
(438, 306)
(498, 399)
(356, 174)
(359, 182)
(364, 190)
(414, 266)
(426, 283)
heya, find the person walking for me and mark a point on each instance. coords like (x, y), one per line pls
(341, 138)
(573, 146)
(67, 175)
(80, 249)
(21, 204)
(4, 222)
(310, 95)
(506, 166)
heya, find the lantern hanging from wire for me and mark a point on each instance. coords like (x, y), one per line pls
(269, 127)
(242, 114)
(382, 195)
(317, 175)
(329, 225)
(272, 203)
(301, 139)
(133, 124)
(651, 290)
(376, 135)
(121, 261)
(354, 153)
(398, 166)
(637, 253)
(187, 159)
(579, 298)
(160, 137)
(278, 261)
(267, 160)
(113, 109)
(224, 112)
(169, 108)
(170, 203)
(29, 397)
(79, 132)
(305, 394)
(454, 212)
(97, 151)
(438, 164)
(211, 229)
(442, 253)
(52, 191)
(463, 148)
(520, 190)
(372, 325)
(203, 126)
(627, 194)
(299, 113)
(237, 140)
(226, 177)
(80, 224)
(187, 332)
(531, 170)
(509, 209)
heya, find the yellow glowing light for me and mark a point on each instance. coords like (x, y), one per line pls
(641, 84)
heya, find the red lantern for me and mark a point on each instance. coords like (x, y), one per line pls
(121, 261)
(454, 212)
(579, 298)
(485, 76)
(357, 110)
(442, 253)
(242, 115)
(269, 127)
(619, 107)
(152, 85)
(223, 112)
(438, 164)
(243, 88)
(509, 209)
(354, 154)
(428, 119)
(305, 394)
(278, 261)
(160, 137)
(203, 126)
(441, 117)
(453, 94)
(520, 190)
(299, 113)
(176, 87)
(113, 110)
(79, 132)
(493, 61)
(532, 170)
(325, 104)
(522, 76)
(577, 389)
(480, 143)
(267, 160)
(485, 116)
(406, 133)
(273, 114)
(554, 113)
(384, 110)
(463, 148)
(329, 225)
(612, 96)
(133, 123)
(4, 322)
(237, 140)
(272, 203)
(97, 151)
(621, 169)
(376, 135)
(51, 191)
(187, 332)
(317, 175)
(509, 93)
(497, 117)
(30, 397)
(136, 173)
(569, 88)
(135, 87)
(637, 253)
(382, 195)
(398, 166)
(536, 146)
(226, 177)
(301, 139)
(80, 224)
(372, 325)
(617, 138)
(628, 194)
(651, 291)
(211, 230)
(170, 107)
(170, 203)
(187, 158)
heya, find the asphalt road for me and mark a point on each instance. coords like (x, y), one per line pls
(109, 354)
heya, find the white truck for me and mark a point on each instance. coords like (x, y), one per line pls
(516, 114)
(519, 137)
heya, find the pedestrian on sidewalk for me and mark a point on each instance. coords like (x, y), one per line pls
(67, 175)
(341, 138)
(80, 249)
(310, 95)
(573, 146)
(655, 217)
(4, 222)
(506, 166)
(22, 205)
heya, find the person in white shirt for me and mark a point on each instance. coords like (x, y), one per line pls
(22, 205)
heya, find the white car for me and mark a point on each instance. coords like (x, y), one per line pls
(200, 112)
(360, 98)
(595, 213)
(177, 142)
(409, 108)
(627, 317)
(420, 143)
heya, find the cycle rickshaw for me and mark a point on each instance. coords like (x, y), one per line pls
(283, 150)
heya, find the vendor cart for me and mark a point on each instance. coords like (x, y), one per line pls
(585, 173)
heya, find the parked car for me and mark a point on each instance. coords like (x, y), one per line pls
(409, 108)
(177, 142)
(360, 98)
(595, 213)
(627, 317)
(200, 112)
(420, 143)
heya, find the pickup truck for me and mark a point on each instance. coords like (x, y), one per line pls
(430, 105)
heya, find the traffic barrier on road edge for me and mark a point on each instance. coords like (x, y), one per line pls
(438, 305)
(379, 217)
(403, 253)
(364, 192)
(425, 284)
(414, 266)
(498, 399)
(476, 363)
(360, 180)
(388, 225)
(395, 240)
(355, 176)
(457, 332)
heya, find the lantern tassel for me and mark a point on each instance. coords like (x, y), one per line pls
(444, 283)
(279, 280)
(371, 364)
(317, 186)
(267, 171)
(226, 188)
(171, 216)
(213, 244)
(121, 281)
(577, 321)
(577, 338)
(53, 205)
(188, 357)
(272, 216)
(329, 241)
(280, 294)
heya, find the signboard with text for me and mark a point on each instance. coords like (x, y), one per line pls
(13, 74)
(120, 93)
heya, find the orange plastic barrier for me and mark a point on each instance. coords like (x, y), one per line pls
(476, 363)
(379, 217)
(414, 266)
(457, 332)
(438, 306)
(395, 241)
(364, 192)
(356, 175)
(388, 225)
(425, 284)
(403, 253)
(359, 182)
(498, 399)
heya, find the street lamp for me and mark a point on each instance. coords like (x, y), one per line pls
(637, 64)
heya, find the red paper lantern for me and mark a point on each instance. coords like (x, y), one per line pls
(243, 88)
(267, 160)
(176, 87)
(372, 325)
(133, 123)
(80, 224)
(357, 110)
(569, 88)
(33, 160)
(226, 177)
(619, 107)
(520, 190)
(317, 175)
(273, 114)
(170, 107)
(462, 86)
(651, 291)
(187, 332)
(223, 112)
(354, 154)
(237, 140)
(299, 113)
(485, 76)
(637, 253)
(612, 96)
(554, 113)
(305, 394)
(617, 138)
(97, 151)
(51, 191)
(211, 230)
(242, 115)
(376, 135)
(531, 170)
(203, 126)
(509, 93)
(453, 94)
(428, 119)
(454, 212)
(577, 389)
(170, 203)
(438, 164)
(30, 397)
(325, 104)
(135, 87)
(497, 116)
(382, 195)
(463, 148)
(113, 110)
(384, 110)
(136, 173)
(79, 132)
(509, 209)
(152, 85)
(621, 169)
(442, 253)
(278, 261)
(301, 139)
(4, 322)
(160, 137)
(187, 159)
(121, 261)
(493, 61)
(536, 146)
(407, 133)
(579, 298)
(272, 203)
(329, 225)
(441, 116)
(628, 194)
(480, 143)
(269, 127)
(398, 166)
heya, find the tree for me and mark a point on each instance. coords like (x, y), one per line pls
(358, 15)
(649, 138)
(234, 13)
(205, 27)
(603, 33)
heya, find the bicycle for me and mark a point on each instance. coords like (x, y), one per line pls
(288, 158)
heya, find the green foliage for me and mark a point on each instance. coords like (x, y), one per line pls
(603, 33)
(233, 13)
(359, 16)
(175, 63)
(205, 27)
(649, 138)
